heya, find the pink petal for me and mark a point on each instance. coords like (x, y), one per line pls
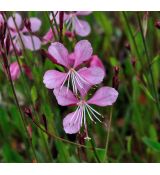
(96, 62)
(53, 79)
(1, 19)
(72, 122)
(81, 27)
(48, 36)
(83, 13)
(18, 21)
(31, 42)
(60, 53)
(84, 88)
(14, 70)
(105, 96)
(65, 97)
(83, 51)
(92, 75)
(35, 24)
(71, 59)
(17, 45)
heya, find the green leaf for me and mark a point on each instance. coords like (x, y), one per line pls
(34, 94)
(153, 133)
(100, 153)
(151, 144)
(147, 92)
(10, 155)
(129, 144)
(155, 59)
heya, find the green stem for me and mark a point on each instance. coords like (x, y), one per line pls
(44, 141)
(94, 150)
(55, 23)
(51, 25)
(59, 138)
(132, 36)
(21, 114)
(149, 63)
(108, 135)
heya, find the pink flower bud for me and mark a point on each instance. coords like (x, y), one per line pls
(157, 24)
(96, 62)
(115, 79)
(70, 34)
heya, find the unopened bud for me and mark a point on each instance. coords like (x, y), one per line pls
(29, 129)
(7, 44)
(127, 46)
(115, 80)
(133, 61)
(116, 70)
(70, 34)
(157, 24)
(28, 112)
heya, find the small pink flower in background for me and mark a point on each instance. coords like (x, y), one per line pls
(105, 96)
(74, 24)
(30, 41)
(49, 36)
(80, 78)
(15, 70)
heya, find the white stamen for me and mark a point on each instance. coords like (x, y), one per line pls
(64, 80)
(84, 114)
(79, 83)
(93, 109)
(68, 82)
(73, 83)
(75, 113)
(81, 78)
(90, 115)
(79, 111)
(94, 114)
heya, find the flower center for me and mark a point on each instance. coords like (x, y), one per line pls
(76, 81)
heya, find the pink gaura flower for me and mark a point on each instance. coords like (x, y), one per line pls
(15, 70)
(105, 96)
(80, 78)
(79, 26)
(30, 41)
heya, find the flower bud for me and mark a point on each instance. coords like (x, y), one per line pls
(157, 24)
(95, 61)
(29, 129)
(127, 46)
(27, 112)
(133, 61)
(115, 80)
